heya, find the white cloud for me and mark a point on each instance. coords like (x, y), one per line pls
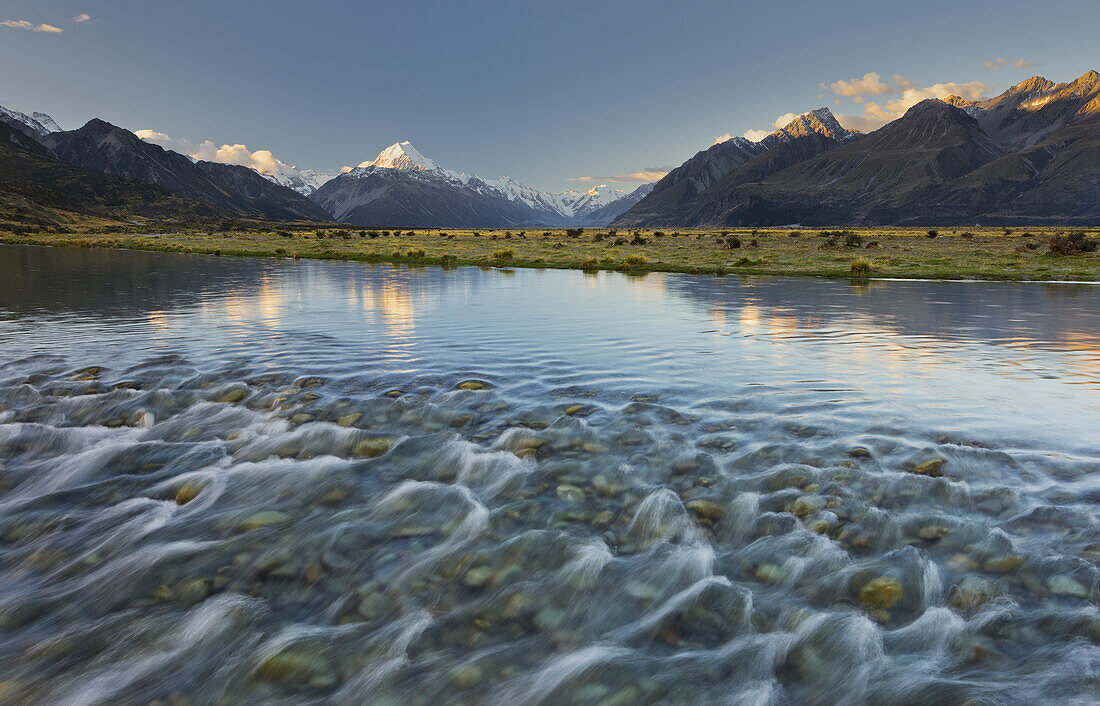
(871, 84)
(997, 64)
(784, 120)
(1021, 64)
(876, 115)
(263, 161)
(24, 24)
(755, 135)
(82, 17)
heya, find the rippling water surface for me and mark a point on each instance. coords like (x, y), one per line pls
(229, 481)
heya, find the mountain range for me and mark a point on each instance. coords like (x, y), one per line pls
(1031, 154)
(403, 188)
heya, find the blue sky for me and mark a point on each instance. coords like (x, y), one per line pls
(545, 92)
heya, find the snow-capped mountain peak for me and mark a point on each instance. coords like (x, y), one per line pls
(402, 155)
(39, 123)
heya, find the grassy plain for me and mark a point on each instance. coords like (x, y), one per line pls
(945, 253)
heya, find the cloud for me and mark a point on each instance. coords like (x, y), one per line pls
(263, 161)
(1021, 64)
(23, 24)
(82, 17)
(876, 115)
(647, 174)
(871, 84)
(997, 64)
(755, 135)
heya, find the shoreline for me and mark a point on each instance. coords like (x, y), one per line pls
(872, 254)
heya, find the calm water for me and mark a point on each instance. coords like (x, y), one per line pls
(230, 480)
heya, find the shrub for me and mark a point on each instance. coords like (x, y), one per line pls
(635, 261)
(732, 242)
(933, 233)
(619, 241)
(373, 234)
(968, 235)
(1073, 244)
(861, 267)
(574, 232)
(638, 240)
(417, 253)
(590, 264)
(504, 255)
(1008, 231)
(853, 240)
(598, 237)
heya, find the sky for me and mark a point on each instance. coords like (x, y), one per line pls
(558, 95)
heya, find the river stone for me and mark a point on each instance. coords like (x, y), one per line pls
(373, 605)
(570, 493)
(188, 492)
(932, 468)
(1063, 585)
(971, 592)
(477, 576)
(574, 409)
(471, 385)
(371, 448)
(881, 592)
(263, 519)
(705, 509)
(466, 676)
(808, 505)
(605, 485)
(603, 519)
(349, 419)
(296, 665)
(932, 532)
(641, 591)
(549, 618)
(233, 396)
(1005, 564)
(859, 452)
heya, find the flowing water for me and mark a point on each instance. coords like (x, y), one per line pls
(261, 481)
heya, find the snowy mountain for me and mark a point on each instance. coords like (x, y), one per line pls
(38, 123)
(403, 188)
(304, 181)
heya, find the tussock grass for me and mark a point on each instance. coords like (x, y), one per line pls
(986, 253)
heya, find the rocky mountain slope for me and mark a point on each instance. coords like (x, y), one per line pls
(38, 189)
(236, 190)
(1030, 154)
(675, 195)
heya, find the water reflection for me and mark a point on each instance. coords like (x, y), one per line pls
(229, 480)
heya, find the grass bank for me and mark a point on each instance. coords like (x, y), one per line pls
(977, 253)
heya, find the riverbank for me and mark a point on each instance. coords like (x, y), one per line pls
(977, 253)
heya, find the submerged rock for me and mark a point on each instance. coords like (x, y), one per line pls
(471, 385)
(1063, 585)
(570, 493)
(263, 519)
(188, 492)
(296, 665)
(932, 468)
(466, 676)
(882, 592)
(705, 509)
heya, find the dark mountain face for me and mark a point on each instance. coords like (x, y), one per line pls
(37, 187)
(103, 147)
(683, 185)
(380, 197)
(1031, 154)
